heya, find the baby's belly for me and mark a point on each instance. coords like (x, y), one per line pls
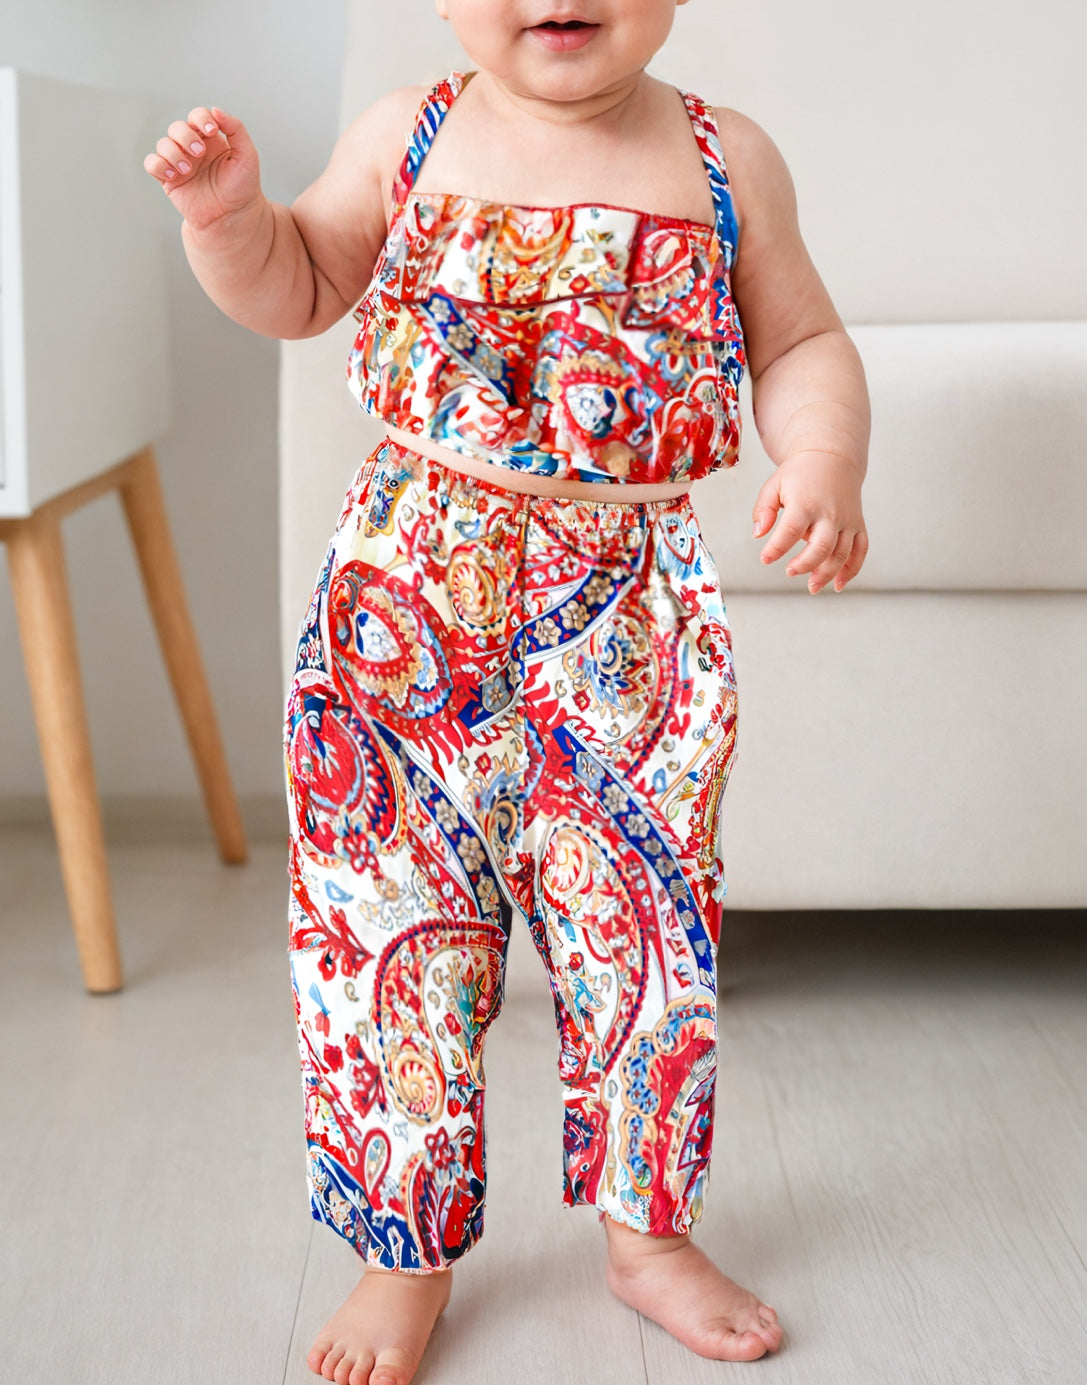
(513, 480)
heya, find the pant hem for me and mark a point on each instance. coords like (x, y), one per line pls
(624, 1218)
(368, 1248)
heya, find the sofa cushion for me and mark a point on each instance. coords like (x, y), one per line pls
(908, 750)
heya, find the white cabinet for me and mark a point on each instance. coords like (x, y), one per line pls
(84, 391)
(84, 365)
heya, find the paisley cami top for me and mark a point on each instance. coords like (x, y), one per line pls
(587, 342)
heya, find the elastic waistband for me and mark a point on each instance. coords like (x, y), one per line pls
(480, 494)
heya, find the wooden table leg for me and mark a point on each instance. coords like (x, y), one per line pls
(145, 510)
(47, 631)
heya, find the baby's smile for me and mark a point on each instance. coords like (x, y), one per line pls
(564, 34)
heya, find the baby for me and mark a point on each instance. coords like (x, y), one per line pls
(514, 702)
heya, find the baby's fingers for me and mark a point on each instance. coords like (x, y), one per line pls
(179, 154)
(190, 144)
(171, 162)
(235, 135)
(160, 168)
(821, 544)
(203, 123)
(789, 531)
(854, 562)
(823, 572)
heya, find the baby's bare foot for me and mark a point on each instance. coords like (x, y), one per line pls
(670, 1280)
(379, 1335)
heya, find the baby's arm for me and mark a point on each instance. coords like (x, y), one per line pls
(808, 388)
(282, 271)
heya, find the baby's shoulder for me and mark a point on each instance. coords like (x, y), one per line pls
(745, 143)
(373, 143)
(388, 122)
(758, 175)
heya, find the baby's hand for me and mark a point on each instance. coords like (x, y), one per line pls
(207, 166)
(819, 496)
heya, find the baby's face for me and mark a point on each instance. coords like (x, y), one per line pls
(562, 50)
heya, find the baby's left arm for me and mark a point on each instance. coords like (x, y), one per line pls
(808, 388)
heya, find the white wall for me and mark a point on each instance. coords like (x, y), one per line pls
(278, 66)
(936, 146)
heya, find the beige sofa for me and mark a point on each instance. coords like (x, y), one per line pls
(918, 740)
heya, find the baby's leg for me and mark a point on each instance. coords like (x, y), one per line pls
(398, 935)
(634, 702)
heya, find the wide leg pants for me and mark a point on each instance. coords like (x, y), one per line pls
(506, 708)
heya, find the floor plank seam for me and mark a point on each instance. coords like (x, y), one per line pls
(297, 1306)
(641, 1343)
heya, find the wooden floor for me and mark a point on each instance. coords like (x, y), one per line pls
(900, 1160)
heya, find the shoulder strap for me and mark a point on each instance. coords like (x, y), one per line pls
(431, 114)
(704, 123)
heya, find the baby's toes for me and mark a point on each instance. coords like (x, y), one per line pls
(360, 1371)
(720, 1341)
(316, 1358)
(332, 1358)
(393, 1367)
(743, 1346)
(344, 1369)
(770, 1331)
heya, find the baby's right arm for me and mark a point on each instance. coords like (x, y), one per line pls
(282, 271)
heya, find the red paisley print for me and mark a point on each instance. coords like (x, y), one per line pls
(508, 711)
(590, 342)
